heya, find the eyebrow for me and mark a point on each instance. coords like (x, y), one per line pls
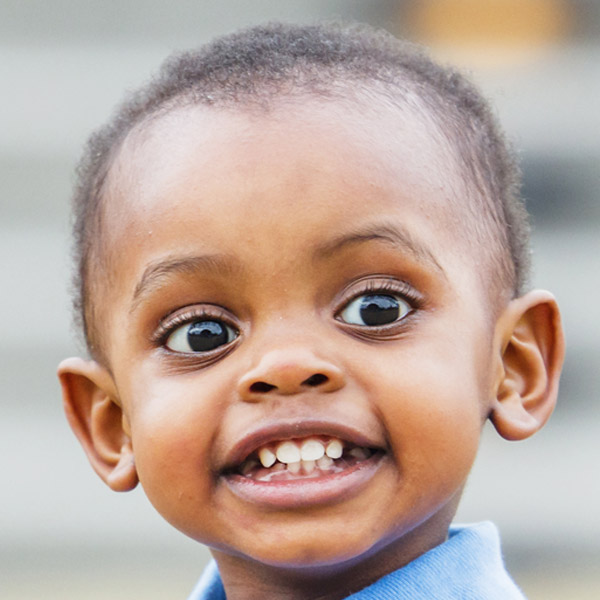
(392, 234)
(163, 269)
(220, 264)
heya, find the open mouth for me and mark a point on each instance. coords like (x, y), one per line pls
(303, 458)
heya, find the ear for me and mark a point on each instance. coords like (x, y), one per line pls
(530, 340)
(91, 405)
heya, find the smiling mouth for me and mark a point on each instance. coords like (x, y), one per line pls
(310, 457)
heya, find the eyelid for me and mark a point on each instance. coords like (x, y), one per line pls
(182, 316)
(380, 284)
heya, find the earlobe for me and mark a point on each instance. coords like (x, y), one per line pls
(90, 403)
(530, 342)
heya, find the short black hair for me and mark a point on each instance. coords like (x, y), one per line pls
(256, 66)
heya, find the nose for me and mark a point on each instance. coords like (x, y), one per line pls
(290, 371)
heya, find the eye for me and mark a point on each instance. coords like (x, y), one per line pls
(371, 310)
(202, 335)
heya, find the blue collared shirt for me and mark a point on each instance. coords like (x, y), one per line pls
(468, 566)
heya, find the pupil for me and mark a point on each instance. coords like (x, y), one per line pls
(379, 310)
(206, 335)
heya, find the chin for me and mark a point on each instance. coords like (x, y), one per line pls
(328, 553)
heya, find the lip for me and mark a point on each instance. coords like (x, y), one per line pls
(306, 492)
(291, 429)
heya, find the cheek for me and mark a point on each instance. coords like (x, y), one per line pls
(432, 410)
(172, 432)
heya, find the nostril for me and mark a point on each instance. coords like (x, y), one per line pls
(315, 380)
(260, 387)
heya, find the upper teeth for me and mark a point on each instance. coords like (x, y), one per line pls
(312, 449)
(287, 452)
(334, 449)
(267, 457)
(291, 452)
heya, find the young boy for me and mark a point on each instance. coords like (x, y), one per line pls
(301, 258)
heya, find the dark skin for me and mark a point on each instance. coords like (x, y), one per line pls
(276, 227)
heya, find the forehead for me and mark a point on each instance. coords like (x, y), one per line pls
(298, 151)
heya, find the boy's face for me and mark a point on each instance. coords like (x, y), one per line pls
(288, 276)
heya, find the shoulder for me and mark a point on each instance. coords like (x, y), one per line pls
(209, 587)
(468, 565)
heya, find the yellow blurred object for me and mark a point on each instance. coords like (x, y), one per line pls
(490, 31)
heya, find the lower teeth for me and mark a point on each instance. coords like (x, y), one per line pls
(287, 473)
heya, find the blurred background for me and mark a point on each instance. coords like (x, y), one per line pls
(63, 66)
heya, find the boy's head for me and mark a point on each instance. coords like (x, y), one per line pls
(297, 243)
(267, 67)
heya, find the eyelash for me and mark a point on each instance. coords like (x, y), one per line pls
(384, 287)
(169, 324)
(391, 287)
